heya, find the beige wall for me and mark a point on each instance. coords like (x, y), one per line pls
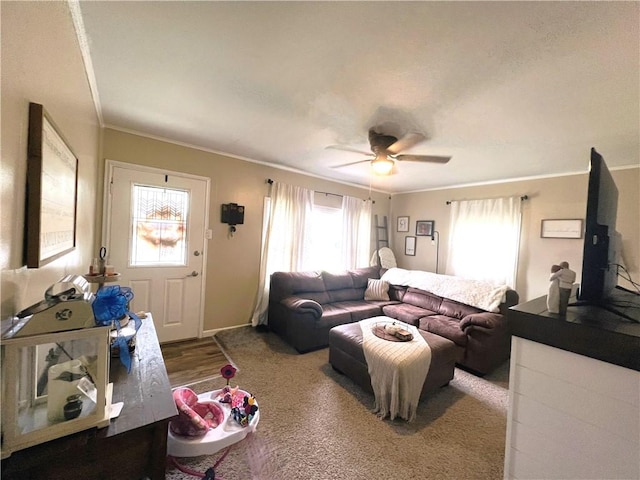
(558, 197)
(42, 63)
(232, 262)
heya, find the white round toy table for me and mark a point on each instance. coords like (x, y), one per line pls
(227, 433)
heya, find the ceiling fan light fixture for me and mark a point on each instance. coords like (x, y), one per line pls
(382, 165)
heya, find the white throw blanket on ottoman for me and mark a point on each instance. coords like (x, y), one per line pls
(397, 369)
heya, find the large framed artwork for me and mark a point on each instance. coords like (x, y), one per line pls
(52, 189)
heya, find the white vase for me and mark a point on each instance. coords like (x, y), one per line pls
(60, 388)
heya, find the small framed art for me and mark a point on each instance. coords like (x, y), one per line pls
(424, 228)
(410, 246)
(403, 224)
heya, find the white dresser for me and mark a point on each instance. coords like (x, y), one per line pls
(572, 416)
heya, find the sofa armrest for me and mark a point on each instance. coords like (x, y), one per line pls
(485, 320)
(303, 305)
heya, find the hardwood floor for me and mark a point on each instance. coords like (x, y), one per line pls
(194, 360)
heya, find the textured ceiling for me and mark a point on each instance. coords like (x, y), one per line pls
(509, 90)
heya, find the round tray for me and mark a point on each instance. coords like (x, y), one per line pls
(379, 331)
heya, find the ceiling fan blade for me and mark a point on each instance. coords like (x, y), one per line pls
(348, 149)
(408, 141)
(366, 160)
(422, 158)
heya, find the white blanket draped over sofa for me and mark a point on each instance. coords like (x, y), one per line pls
(477, 293)
(397, 369)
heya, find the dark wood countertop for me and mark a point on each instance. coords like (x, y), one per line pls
(587, 330)
(145, 391)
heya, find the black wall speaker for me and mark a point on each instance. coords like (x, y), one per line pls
(232, 214)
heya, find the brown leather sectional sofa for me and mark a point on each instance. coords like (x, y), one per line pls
(304, 306)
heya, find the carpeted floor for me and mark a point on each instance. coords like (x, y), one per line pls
(316, 424)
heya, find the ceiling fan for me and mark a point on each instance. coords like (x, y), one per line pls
(387, 149)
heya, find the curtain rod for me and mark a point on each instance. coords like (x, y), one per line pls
(270, 182)
(522, 199)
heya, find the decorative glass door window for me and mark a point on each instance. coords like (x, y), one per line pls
(159, 226)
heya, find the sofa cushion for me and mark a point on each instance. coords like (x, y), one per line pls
(346, 294)
(451, 308)
(361, 276)
(406, 313)
(303, 305)
(446, 327)
(332, 315)
(396, 292)
(376, 290)
(360, 309)
(340, 287)
(302, 284)
(321, 297)
(337, 281)
(422, 298)
(484, 319)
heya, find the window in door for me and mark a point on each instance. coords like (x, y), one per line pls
(159, 226)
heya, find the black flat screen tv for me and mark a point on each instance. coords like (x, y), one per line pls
(601, 240)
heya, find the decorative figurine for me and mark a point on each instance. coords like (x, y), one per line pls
(553, 297)
(566, 277)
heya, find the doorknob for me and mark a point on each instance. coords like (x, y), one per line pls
(196, 253)
(193, 274)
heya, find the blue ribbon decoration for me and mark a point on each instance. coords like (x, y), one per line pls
(109, 306)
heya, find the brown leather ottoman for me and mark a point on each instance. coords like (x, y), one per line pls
(347, 356)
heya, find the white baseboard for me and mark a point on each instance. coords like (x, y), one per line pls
(212, 332)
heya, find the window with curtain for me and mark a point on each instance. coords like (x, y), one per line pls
(301, 236)
(356, 232)
(338, 234)
(324, 240)
(484, 239)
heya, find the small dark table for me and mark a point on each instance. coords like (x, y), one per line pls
(587, 330)
(133, 446)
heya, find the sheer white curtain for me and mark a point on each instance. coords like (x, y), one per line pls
(484, 239)
(285, 221)
(356, 232)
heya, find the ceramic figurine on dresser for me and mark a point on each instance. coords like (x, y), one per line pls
(561, 281)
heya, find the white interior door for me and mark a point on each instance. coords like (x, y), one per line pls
(156, 223)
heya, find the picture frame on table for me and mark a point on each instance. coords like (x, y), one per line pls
(410, 246)
(425, 228)
(403, 224)
(52, 191)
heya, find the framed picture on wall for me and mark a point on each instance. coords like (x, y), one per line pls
(403, 224)
(52, 184)
(561, 228)
(410, 246)
(424, 228)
